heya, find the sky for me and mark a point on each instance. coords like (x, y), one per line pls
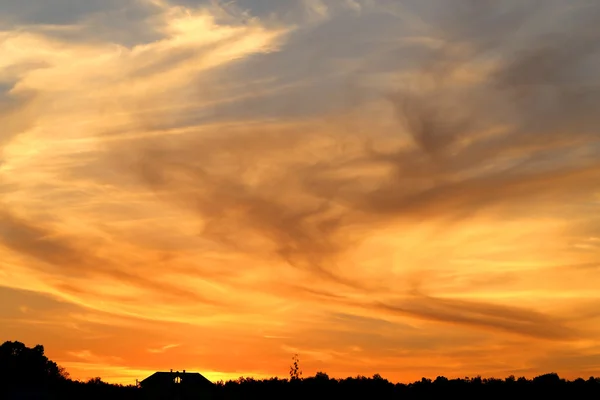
(402, 187)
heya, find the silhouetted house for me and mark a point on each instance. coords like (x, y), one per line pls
(177, 385)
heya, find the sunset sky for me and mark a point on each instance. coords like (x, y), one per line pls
(402, 187)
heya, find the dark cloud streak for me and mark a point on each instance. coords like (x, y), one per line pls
(69, 258)
(514, 320)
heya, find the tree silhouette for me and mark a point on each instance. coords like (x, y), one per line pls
(321, 376)
(21, 366)
(295, 371)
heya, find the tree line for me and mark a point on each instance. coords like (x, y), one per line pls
(27, 372)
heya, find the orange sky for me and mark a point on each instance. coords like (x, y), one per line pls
(410, 188)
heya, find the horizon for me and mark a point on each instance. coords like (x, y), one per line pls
(296, 373)
(401, 187)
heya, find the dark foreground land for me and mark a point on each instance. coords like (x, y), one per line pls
(25, 373)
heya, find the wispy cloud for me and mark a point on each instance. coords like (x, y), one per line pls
(163, 348)
(413, 180)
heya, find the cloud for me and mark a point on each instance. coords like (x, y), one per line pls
(66, 257)
(52, 246)
(163, 348)
(461, 145)
(17, 113)
(88, 356)
(274, 176)
(497, 317)
(122, 22)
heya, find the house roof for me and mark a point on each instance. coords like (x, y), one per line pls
(165, 378)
